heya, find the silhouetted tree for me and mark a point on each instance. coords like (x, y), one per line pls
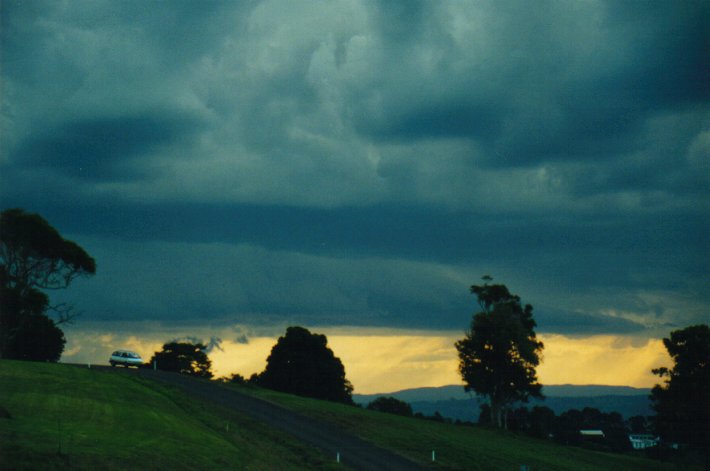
(31, 334)
(236, 378)
(33, 256)
(542, 421)
(519, 420)
(616, 433)
(301, 363)
(484, 414)
(567, 427)
(538, 422)
(682, 403)
(186, 358)
(591, 418)
(498, 356)
(639, 424)
(391, 405)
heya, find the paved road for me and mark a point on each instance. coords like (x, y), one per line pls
(355, 453)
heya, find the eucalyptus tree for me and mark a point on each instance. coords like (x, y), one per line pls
(499, 354)
(34, 258)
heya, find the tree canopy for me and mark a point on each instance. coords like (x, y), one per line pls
(186, 358)
(26, 333)
(499, 354)
(33, 257)
(682, 402)
(301, 363)
(391, 405)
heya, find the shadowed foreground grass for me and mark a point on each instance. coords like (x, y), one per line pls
(67, 417)
(457, 447)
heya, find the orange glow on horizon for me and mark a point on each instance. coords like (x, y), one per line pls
(602, 359)
(387, 360)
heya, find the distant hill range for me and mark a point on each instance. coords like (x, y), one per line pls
(455, 403)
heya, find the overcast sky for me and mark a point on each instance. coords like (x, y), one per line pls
(362, 163)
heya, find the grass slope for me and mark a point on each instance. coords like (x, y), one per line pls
(67, 417)
(457, 447)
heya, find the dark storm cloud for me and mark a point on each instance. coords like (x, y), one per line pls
(179, 31)
(438, 120)
(419, 234)
(365, 162)
(558, 82)
(613, 255)
(575, 323)
(103, 149)
(670, 66)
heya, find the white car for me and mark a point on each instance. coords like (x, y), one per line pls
(126, 358)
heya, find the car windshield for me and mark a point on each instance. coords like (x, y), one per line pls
(126, 354)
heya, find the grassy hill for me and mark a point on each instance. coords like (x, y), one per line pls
(65, 417)
(458, 447)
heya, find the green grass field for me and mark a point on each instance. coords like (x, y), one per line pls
(67, 417)
(458, 447)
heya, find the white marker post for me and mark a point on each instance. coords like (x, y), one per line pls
(337, 457)
(433, 455)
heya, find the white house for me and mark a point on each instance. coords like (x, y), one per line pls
(641, 441)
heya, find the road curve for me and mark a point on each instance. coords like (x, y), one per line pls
(354, 452)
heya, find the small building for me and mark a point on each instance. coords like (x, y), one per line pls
(592, 438)
(641, 441)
